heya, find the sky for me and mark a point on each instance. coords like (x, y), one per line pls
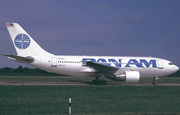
(95, 27)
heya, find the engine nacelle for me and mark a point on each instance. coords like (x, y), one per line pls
(129, 76)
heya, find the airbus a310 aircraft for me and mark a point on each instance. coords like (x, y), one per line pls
(128, 69)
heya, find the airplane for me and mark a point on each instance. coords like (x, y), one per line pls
(120, 68)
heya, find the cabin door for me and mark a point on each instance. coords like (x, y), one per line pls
(160, 64)
(53, 62)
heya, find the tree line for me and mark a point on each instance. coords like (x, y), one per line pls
(20, 71)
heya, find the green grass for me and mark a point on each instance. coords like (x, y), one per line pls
(24, 79)
(89, 100)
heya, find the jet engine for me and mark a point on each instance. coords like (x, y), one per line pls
(129, 76)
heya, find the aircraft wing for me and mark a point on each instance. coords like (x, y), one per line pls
(101, 68)
(20, 58)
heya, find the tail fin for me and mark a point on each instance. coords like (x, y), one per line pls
(23, 43)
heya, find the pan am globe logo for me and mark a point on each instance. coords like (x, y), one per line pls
(22, 41)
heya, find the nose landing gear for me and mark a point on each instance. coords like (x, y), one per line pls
(155, 80)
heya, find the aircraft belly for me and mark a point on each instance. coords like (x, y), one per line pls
(66, 69)
(145, 72)
(87, 74)
(72, 70)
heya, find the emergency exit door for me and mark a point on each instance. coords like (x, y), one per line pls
(160, 64)
(53, 62)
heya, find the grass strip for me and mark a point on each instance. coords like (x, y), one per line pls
(89, 100)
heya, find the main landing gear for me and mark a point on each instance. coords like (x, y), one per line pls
(99, 82)
(155, 80)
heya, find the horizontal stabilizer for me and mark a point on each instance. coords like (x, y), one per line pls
(28, 59)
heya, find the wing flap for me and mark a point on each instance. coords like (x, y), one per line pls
(28, 59)
(101, 68)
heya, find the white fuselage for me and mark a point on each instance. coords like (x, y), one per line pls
(74, 65)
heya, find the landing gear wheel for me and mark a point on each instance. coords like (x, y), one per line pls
(154, 83)
(99, 82)
(93, 81)
(104, 82)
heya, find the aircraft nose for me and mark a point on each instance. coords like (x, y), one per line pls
(175, 68)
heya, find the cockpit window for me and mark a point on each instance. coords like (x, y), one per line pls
(171, 64)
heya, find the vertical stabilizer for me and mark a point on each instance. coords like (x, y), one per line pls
(23, 43)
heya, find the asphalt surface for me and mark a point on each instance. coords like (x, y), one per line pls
(88, 83)
(78, 81)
